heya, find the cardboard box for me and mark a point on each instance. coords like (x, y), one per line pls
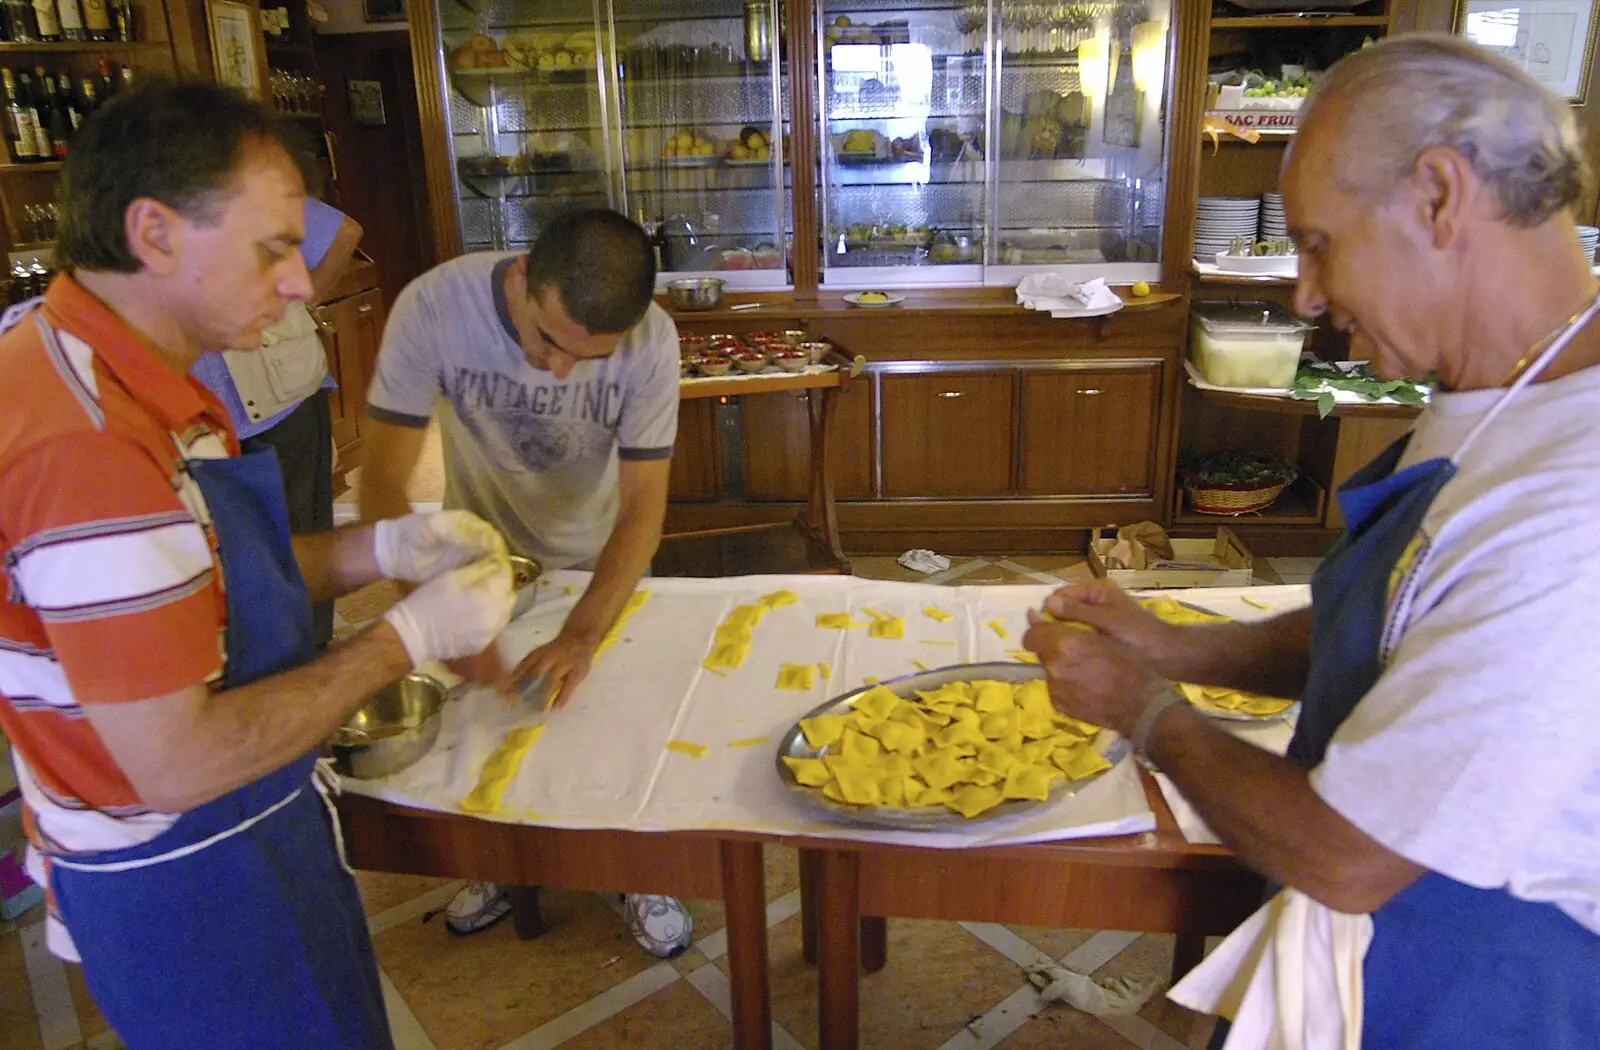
(1220, 562)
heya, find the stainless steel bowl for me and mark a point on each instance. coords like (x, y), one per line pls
(699, 293)
(815, 350)
(525, 573)
(396, 727)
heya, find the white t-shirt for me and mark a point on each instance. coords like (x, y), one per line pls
(1477, 753)
(534, 455)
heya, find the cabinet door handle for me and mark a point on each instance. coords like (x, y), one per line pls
(1090, 392)
(366, 308)
(326, 326)
(949, 393)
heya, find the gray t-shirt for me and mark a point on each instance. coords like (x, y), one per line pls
(534, 455)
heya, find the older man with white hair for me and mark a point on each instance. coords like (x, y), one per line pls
(1439, 808)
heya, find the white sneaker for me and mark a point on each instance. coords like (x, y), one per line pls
(661, 925)
(478, 906)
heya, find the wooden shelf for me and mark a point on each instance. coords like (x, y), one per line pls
(48, 165)
(733, 387)
(1242, 279)
(33, 246)
(1303, 20)
(1289, 406)
(1304, 502)
(82, 46)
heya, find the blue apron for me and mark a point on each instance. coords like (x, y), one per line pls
(1451, 966)
(239, 926)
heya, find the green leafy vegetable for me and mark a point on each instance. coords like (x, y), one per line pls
(1242, 468)
(1317, 381)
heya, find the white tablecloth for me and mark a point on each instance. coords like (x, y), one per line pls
(602, 761)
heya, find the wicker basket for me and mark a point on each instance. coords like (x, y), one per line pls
(1231, 499)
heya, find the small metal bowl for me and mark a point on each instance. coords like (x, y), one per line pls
(792, 361)
(714, 366)
(396, 727)
(697, 293)
(753, 361)
(795, 337)
(525, 573)
(815, 350)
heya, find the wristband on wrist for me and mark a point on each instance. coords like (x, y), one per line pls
(1154, 708)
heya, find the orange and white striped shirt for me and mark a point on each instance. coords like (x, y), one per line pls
(113, 592)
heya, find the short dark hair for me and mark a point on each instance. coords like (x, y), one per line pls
(601, 264)
(180, 143)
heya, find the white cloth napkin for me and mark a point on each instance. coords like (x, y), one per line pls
(920, 559)
(1054, 291)
(1290, 978)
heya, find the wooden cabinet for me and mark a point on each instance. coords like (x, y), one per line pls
(1089, 430)
(696, 475)
(351, 328)
(775, 433)
(948, 433)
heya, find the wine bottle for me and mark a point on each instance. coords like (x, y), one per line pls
(20, 135)
(28, 95)
(45, 17)
(24, 26)
(70, 15)
(122, 15)
(66, 102)
(60, 123)
(96, 19)
(87, 102)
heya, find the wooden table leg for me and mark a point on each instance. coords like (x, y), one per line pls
(838, 907)
(525, 916)
(810, 866)
(744, 893)
(874, 943)
(1187, 952)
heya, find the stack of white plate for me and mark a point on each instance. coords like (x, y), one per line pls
(1218, 220)
(1589, 237)
(1273, 223)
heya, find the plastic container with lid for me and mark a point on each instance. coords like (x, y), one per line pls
(1246, 344)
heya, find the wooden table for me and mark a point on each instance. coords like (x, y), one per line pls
(380, 836)
(1154, 883)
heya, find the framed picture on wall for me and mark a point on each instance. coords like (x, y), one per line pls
(366, 103)
(237, 49)
(384, 10)
(1552, 40)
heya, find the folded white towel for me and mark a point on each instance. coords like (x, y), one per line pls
(1289, 978)
(1054, 291)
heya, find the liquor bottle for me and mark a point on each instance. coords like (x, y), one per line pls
(20, 133)
(122, 17)
(20, 20)
(66, 102)
(70, 15)
(40, 275)
(27, 94)
(87, 101)
(45, 17)
(96, 19)
(60, 123)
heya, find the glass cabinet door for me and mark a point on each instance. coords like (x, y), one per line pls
(903, 140)
(670, 111)
(1080, 157)
(703, 94)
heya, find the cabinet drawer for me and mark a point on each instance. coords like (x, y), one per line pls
(1090, 431)
(948, 434)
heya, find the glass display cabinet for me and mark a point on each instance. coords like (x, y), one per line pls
(671, 111)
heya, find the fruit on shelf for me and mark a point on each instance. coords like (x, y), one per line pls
(859, 141)
(873, 297)
(1139, 290)
(685, 143)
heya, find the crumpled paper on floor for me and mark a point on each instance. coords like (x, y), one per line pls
(920, 559)
(1113, 997)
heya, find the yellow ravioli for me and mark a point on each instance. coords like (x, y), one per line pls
(960, 733)
(983, 778)
(965, 716)
(934, 796)
(856, 744)
(955, 694)
(1252, 704)
(831, 790)
(899, 737)
(498, 770)
(993, 696)
(1033, 697)
(933, 612)
(823, 730)
(942, 768)
(999, 627)
(998, 724)
(893, 790)
(1036, 726)
(808, 771)
(836, 621)
(728, 656)
(888, 627)
(1030, 781)
(1173, 611)
(972, 800)
(1036, 751)
(869, 680)
(1077, 725)
(1079, 762)
(879, 703)
(858, 786)
(825, 671)
(778, 599)
(996, 759)
(915, 791)
(745, 616)
(749, 741)
(684, 747)
(796, 676)
(732, 634)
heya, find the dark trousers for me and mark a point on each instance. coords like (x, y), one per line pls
(303, 441)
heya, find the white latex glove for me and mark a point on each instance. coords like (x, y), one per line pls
(419, 547)
(457, 613)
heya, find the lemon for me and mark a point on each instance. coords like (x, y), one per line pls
(1140, 289)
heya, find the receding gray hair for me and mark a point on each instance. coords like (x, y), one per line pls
(1411, 93)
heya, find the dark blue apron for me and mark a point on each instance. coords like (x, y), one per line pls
(239, 926)
(1451, 966)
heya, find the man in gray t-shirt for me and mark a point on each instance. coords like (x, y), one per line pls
(555, 377)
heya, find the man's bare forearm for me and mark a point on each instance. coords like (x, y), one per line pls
(1266, 656)
(1263, 806)
(335, 562)
(622, 562)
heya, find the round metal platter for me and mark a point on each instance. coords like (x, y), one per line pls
(930, 818)
(1222, 714)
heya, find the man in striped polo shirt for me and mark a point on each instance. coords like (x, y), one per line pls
(156, 671)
